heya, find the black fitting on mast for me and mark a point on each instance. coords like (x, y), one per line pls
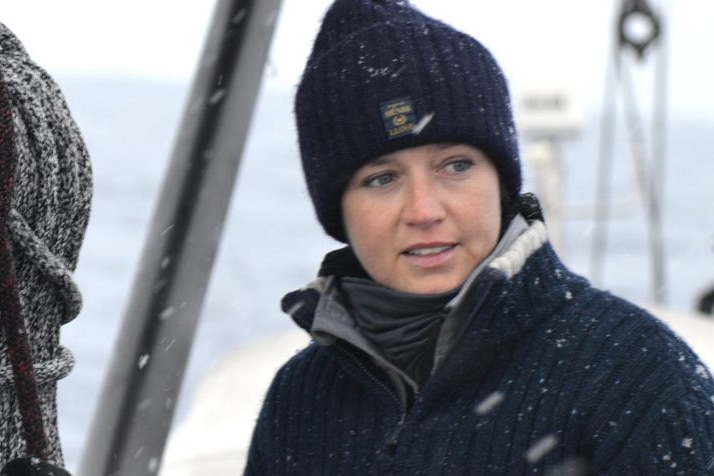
(633, 12)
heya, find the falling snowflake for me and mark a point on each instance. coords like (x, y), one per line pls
(143, 360)
(490, 402)
(702, 371)
(217, 96)
(423, 123)
(166, 313)
(153, 465)
(540, 448)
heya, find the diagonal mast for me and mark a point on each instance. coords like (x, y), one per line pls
(139, 395)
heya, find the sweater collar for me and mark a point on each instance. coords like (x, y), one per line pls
(525, 296)
(513, 294)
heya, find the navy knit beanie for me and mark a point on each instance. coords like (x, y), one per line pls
(383, 77)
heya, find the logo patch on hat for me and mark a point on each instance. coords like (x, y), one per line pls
(398, 116)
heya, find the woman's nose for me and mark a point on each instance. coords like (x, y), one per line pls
(423, 205)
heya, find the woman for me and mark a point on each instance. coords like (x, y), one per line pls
(448, 336)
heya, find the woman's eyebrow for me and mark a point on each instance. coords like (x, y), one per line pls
(385, 159)
(446, 145)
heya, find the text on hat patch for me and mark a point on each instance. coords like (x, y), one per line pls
(398, 116)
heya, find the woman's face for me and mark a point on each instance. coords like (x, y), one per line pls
(420, 220)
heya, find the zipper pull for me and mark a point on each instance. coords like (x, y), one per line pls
(393, 440)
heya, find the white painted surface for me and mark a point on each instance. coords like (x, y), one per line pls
(214, 437)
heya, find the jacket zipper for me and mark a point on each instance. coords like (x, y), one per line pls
(393, 439)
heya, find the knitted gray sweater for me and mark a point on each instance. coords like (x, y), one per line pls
(46, 224)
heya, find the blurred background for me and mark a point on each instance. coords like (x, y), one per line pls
(126, 68)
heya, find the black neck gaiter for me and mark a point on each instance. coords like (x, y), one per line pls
(403, 326)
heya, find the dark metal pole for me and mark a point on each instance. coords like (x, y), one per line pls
(134, 414)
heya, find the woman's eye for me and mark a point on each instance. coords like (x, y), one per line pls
(459, 166)
(379, 180)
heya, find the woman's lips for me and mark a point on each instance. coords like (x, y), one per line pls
(429, 255)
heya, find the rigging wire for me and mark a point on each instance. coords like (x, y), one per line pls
(659, 147)
(648, 174)
(604, 172)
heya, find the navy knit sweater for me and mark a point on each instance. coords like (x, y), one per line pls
(551, 377)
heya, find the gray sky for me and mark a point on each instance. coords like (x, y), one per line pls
(545, 40)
